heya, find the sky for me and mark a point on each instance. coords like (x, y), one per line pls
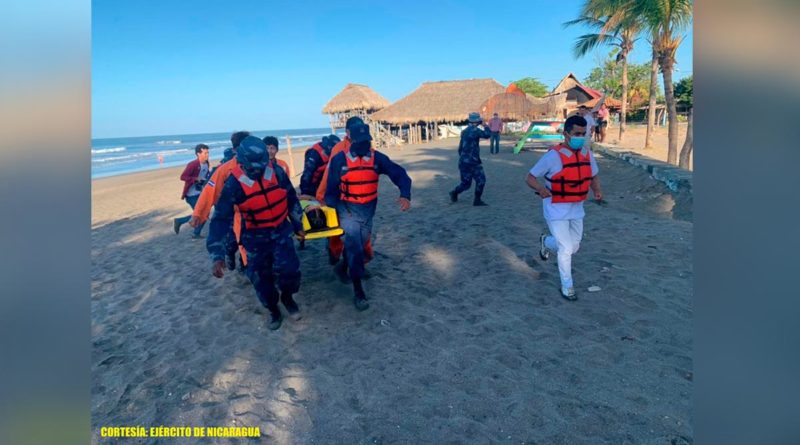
(176, 67)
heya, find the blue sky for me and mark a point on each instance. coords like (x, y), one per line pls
(175, 67)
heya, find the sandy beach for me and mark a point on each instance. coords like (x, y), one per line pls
(467, 339)
(635, 136)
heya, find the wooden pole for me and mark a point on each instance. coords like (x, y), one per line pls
(291, 158)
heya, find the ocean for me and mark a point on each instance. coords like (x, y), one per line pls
(116, 156)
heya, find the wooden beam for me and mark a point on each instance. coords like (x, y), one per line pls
(291, 158)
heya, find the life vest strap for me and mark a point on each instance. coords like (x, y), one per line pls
(576, 164)
(359, 195)
(371, 181)
(253, 220)
(563, 193)
(268, 206)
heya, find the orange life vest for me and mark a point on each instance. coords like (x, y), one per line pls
(571, 184)
(317, 176)
(359, 184)
(265, 204)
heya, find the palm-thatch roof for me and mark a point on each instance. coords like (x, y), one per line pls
(548, 106)
(508, 106)
(444, 101)
(355, 97)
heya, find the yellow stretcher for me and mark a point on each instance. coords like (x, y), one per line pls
(331, 221)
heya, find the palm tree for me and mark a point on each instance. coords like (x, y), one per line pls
(665, 19)
(615, 27)
(651, 108)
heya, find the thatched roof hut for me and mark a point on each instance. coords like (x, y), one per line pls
(508, 106)
(551, 106)
(355, 97)
(445, 101)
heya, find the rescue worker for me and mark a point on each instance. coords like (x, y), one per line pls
(335, 243)
(352, 189)
(469, 159)
(316, 162)
(272, 148)
(270, 212)
(569, 170)
(210, 195)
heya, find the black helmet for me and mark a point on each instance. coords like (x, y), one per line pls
(252, 156)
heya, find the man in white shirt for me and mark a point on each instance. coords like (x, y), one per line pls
(570, 170)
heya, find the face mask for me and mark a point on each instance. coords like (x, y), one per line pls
(576, 142)
(361, 148)
(255, 172)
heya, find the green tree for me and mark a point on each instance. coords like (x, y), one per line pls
(532, 86)
(684, 96)
(684, 92)
(614, 26)
(664, 21)
(608, 77)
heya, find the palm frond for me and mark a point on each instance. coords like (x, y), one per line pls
(587, 42)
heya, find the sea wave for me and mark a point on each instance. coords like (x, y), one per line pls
(168, 142)
(107, 150)
(136, 156)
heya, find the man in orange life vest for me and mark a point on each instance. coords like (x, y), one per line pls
(569, 170)
(335, 243)
(210, 195)
(272, 148)
(316, 162)
(352, 189)
(269, 208)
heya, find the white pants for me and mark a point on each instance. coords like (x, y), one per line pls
(564, 239)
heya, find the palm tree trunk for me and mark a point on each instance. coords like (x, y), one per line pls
(688, 146)
(624, 109)
(672, 110)
(651, 110)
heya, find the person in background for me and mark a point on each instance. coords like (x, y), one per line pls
(597, 122)
(270, 212)
(469, 160)
(209, 196)
(352, 190)
(587, 114)
(316, 162)
(603, 113)
(569, 170)
(272, 148)
(496, 127)
(194, 177)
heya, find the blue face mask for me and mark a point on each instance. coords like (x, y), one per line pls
(576, 142)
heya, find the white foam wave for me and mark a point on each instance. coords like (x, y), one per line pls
(168, 142)
(108, 150)
(136, 156)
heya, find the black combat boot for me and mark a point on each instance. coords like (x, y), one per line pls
(478, 201)
(291, 306)
(453, 196)
(275, 318)
(360, 299)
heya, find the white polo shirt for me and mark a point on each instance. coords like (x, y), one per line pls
(549, 165)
